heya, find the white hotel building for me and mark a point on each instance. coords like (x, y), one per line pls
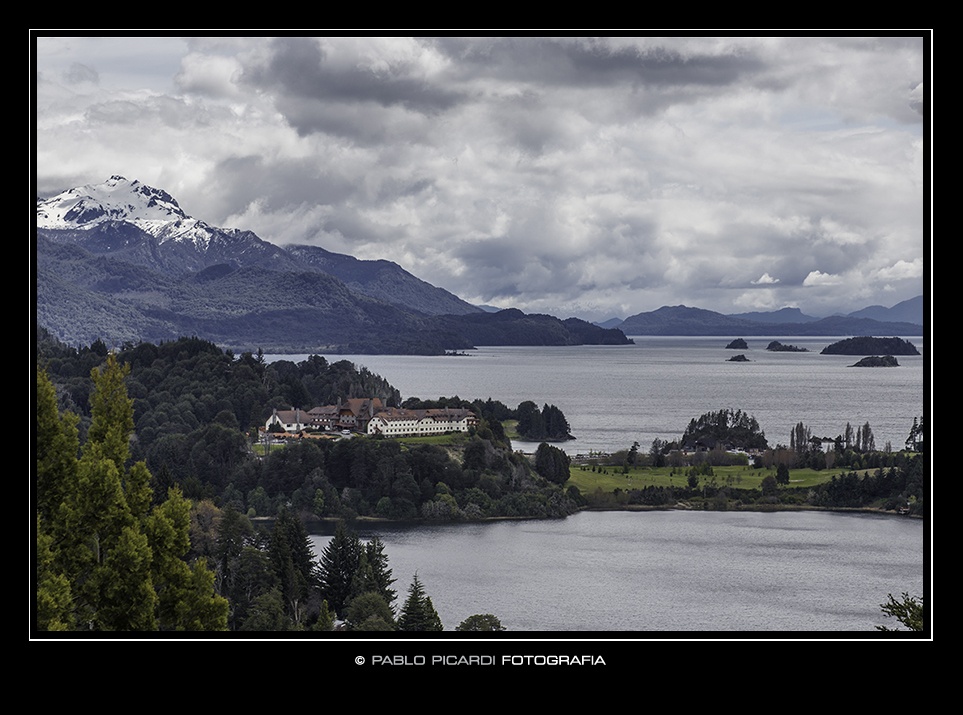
(399, 422)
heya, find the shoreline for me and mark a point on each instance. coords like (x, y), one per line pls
(331, 521)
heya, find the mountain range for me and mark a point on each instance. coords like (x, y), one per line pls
(905, 318)
(122, 262)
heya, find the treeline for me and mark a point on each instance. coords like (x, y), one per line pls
(904, 484)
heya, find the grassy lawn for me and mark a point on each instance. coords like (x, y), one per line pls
(260, 449)
(444, 440)
(740, 477)
(511, 429)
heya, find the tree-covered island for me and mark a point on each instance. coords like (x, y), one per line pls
(871, 346)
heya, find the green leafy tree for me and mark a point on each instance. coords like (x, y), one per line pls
(552, 463)
(267, 613)
(782, 474)
(250, 575)
(57, 449)
(480, 622)
(633, 454)
(54, 602)
(908, 611)
(186, 596)
(530, 425)
(370, 612)
(556, 426)
(418, 613)
(769, 486)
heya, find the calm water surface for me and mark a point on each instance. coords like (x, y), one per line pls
(665, 571)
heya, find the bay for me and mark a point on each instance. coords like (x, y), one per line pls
(662, 571)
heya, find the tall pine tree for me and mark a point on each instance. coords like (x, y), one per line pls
(98, 540)
(338, 564)
(418, 613)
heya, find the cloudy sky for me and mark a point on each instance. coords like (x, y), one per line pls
(594, 177)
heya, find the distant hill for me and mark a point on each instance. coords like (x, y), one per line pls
(785, 315)
(610, 323)
(383, 280)
(908, 311)
(682, 320)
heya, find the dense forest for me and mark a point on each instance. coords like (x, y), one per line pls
(180, 446)
(197, 409)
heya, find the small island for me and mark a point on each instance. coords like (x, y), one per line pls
(777, 346)
(737, 344)
(738, 358)
(871, 346)
(877, 361)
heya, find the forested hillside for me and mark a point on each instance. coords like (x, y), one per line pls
(186, 438)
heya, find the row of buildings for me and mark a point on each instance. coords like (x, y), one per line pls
(371, 416)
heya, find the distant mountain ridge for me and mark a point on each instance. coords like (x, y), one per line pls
(785, 315)
(683, 320)
(122, 262)
(908, 311)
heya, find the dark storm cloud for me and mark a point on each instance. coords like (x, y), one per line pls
(591, 62)
(279, 185)
(299, 71)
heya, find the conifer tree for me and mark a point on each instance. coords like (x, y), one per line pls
(290, 552)
(100, 547)
(373, 573)
(418, 613)
(338, 564)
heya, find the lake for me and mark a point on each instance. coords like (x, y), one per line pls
(670, 571)
(662, 571)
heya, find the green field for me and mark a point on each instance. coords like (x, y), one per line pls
(740, 477)
(449, 439)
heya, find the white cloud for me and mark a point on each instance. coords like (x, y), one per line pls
(817, 278)
(765, 279)
(902, 270)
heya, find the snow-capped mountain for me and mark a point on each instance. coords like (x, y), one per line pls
(122, 261)
(144, 226)
(118, 199)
